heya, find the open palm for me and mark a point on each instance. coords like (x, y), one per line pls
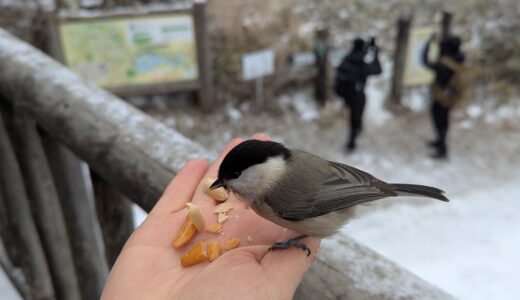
(149, 268)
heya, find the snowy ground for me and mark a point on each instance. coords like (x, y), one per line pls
(7, 291)
(469, 247)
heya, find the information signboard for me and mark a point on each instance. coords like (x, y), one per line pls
(130, 51)
(258, 64)
(415, 73)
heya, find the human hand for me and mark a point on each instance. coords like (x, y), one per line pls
(149, 268)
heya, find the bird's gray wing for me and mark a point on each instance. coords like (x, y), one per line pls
(344, 187)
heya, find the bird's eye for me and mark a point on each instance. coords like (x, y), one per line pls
(237, 174)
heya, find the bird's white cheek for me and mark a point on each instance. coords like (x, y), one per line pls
(244, 189)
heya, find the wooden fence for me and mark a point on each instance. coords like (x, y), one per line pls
(62, 138)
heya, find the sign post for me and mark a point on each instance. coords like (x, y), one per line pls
(256, 65)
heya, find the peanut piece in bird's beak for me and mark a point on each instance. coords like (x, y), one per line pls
(214, 250)
(194, 256)
(219, 194)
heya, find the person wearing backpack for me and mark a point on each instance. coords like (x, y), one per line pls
(448, 89)
(351, 77)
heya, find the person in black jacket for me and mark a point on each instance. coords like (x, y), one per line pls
(450, 49)
(351, 78)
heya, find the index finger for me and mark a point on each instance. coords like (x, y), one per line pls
(181, 188)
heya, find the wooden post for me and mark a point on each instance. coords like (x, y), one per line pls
(205, 94)
(447, 17)
(8, 251)
(80, 217)
(403, 32)
(45, 203)
(321, 54)
(115, 217)
(7, 232)
(25, 235)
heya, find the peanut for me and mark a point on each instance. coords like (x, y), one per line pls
(214, 250)
(220, 194)
(196, 216)
(185, 234)
(231, 243)
(215, 228)
(222, 217)
(194, 256)
(223, 207)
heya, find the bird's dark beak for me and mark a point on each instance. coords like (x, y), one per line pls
(218, 183)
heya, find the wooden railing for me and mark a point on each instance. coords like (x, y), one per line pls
(138, 156)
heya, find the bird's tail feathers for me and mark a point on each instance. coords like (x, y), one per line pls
(419, 190)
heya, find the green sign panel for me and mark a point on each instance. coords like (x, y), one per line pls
(129, 51)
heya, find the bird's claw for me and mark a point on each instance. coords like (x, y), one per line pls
(290, 243)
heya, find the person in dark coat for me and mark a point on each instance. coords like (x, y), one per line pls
(444, 70)
(351, 77)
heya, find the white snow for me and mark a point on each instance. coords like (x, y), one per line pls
(469, 247)
(233, 113)
(7, 290)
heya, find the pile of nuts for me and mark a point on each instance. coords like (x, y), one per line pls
(194, 222)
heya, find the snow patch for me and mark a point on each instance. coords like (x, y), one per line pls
(457, 246)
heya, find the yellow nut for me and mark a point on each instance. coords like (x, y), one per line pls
(214, 250)
(223, 207)
(222, 217)
(194, 256)
(220, 194)
(185, 234)
(215, 228)
(196, 216)
(232, 243)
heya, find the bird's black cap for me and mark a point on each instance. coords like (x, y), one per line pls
(247, 154)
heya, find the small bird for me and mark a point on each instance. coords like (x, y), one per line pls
(301, 191)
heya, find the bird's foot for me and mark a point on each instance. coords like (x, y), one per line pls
(295, 242)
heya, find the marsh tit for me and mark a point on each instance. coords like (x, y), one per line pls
(301, 191)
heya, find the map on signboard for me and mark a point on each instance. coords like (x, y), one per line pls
(131, 50)
(415, 73)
